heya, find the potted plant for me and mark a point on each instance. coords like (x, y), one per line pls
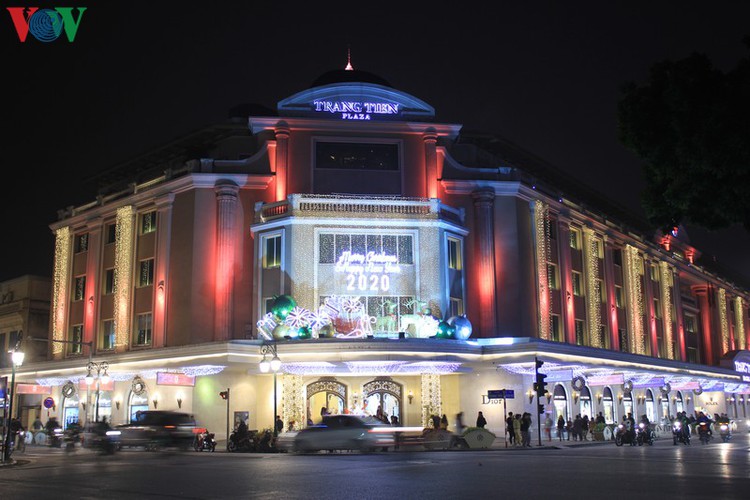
(478, 437)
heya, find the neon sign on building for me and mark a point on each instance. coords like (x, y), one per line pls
(367, 271)
(356, 110)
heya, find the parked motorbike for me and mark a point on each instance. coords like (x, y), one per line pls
(644, 435)
(725, 432)
(240, 444)
(704, 432)
(680, 435)
(55, 437)
(204, 441)
(624, 436)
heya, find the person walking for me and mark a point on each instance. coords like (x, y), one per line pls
(517, 429)
(481, 421)
(509, 428)
(585, 428)
(548, 427)
(560, 426)
(279, 425)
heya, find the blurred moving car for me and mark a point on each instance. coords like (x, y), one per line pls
(344, 432)
(154, 429)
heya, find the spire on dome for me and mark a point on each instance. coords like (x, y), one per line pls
(349, 66)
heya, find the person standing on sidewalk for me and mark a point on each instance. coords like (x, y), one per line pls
(517, 429)
(509, 428)
(560, 426)
(525, 426)
(548, 427)
(481, 421)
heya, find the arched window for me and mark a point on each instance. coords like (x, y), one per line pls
(608, 406)
(136, 403)
(561, 402)
(650, 408)
(585, 403)
(328, 393)
(678, 406)
(385, 394)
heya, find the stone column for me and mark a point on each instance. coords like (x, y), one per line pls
(161, 274)
(566, 279)
(702, 291)
(609, 285)
(430, 162)
(681, 353)
(648, 299)
(282, 161)
(226, 241)
(93, 280)
(484, 205)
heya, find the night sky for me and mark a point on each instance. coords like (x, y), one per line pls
(545, 75)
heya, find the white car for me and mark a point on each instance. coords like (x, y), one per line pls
(345, 432)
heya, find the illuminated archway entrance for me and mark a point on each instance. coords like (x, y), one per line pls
(326, 392)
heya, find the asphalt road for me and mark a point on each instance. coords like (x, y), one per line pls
(602, 471)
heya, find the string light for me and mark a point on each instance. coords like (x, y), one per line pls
(543, 257)
(63, 244)
(724, 320)
(431, 397)
(593, 298)
(634, 266)
(739, 309)
(666, 293)
(293, 399)
(124, 229)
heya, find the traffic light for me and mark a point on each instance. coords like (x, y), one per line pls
(540, 409)
(540, 386)
(224, 394)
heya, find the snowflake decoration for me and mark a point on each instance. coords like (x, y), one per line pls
(298, 317)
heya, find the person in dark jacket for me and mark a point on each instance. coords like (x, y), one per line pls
(481, 421)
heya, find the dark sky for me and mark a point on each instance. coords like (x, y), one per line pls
(545, 75)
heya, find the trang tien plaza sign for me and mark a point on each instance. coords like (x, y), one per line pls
(356, 110)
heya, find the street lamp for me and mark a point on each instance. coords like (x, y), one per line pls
(17, 360)
(100, 378)
(273, 365)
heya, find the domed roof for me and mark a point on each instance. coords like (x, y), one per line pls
(348, 75)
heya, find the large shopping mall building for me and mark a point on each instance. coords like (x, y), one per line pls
(386, 259)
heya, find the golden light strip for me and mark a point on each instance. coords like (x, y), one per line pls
(666, 295)
(739, 335)
(293, 401)
(63, 244)
(431, 397)
(724, 320)
(593, 300)
(634, 265)
(543, 255)
(123, 272)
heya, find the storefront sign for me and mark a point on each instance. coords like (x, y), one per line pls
(653, 382)
(166, 378)
(676, 386)
(109, 386)
(605, 380)
(356, 110)
(32, 389)
(367, 272)
(560, 376)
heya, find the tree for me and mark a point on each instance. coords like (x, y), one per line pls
(690, 124)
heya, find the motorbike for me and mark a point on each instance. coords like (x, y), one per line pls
(72, 437)
(55, 437)
(240, 444)
(680, 435)
(704, 432)
(205, 441)
(644, 435)
(624, 436)
(725, 432)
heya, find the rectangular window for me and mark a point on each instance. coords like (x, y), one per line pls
(108, 334)
(617, 257)
(575, 239)
(355, 156)
(657, 308)
(272, 252)
(143, 330)
(79, 291)
(109, 282)
(619, 302)
(148, 222)
(76, 338)
(268, 304)
(457, 307)
(454, 254)
(602, 291)
(654, 272)
(580, 331)
(556, 331)
(146, 274)
(577, 284)
(554, 282)
(622, 336)
(110, 233)
(81, 243)
(599, 249)
(553, 230)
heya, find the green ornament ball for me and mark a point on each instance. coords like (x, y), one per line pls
(443, 330)
(281, 332)
(304, 333)
(283, 305)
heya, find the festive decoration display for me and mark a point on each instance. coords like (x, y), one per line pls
(667, 282)
(63, 254)
(723, 320)
(578, 383)
(444, 330)
(304, 333)
(543, 259)
(281, 332)
(461, 326)
(293, 400)
(739, 312)
(283, 305)
(593, 295)
(124, 236)
(634, 271)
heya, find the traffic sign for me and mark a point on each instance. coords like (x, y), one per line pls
(49, 403)
(501, 394)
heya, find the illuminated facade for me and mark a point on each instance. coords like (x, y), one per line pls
(382, 229)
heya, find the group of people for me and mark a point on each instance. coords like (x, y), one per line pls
(578, 428)
(517, 426)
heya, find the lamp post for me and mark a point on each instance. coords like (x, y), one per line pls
(273, 365)
(17, 360)
(100, 367)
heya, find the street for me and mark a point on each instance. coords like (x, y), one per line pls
(717, 470)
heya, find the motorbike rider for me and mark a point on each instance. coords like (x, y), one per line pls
(630, 427)
(704, 419)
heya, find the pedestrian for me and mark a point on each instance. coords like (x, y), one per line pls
(600, 418)
(577, 428)
(481, 421)
(517, 429)
(560, 426)
(279, 424)
(509, 428)
(459, 423)
(569, 428)
(525, 434)
(444, 422)
(585, 428)
(548, 427)
(37, 425)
